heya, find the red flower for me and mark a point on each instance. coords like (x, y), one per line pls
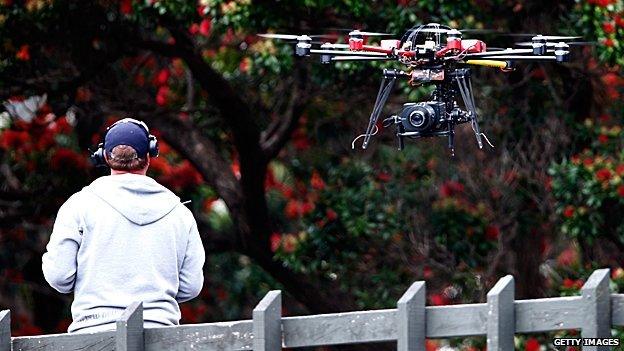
(568, 212)
(492, 232)
(603, 139)
(293, 209)
(532, 345)
(620, 190)
(568, 283)
(162, 96)
(588, 162)
(194, 28)
(316, 181)
(438, 300)
(567, 257)
(125, 7)
(619, 21)
(204, 27)
(331, 214)
(12, 139)
(451, 188)
(24, 53)
(608, 27)
(384, 177)
(275, 240)
(619, 169)
(162, 77)
(608, 42)
(603, 175)
(64, 158)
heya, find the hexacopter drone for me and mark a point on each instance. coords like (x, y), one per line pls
(434, 54)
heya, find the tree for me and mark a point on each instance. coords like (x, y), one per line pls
(246, 124)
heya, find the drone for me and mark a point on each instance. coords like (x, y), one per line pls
(433, 54)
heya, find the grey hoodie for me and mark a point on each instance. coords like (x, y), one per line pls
(124, 238)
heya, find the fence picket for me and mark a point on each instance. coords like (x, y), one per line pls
(267, 324)
(129, 333)
(597, 301)
(411, 318)
(501, 315)
(5, 330)
(594, 312)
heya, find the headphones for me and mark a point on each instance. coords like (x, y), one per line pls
(97, 157)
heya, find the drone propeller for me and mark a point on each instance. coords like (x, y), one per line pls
(571, 43)
(295, 37)
(543, 37)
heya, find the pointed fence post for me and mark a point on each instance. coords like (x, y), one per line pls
(267, 323)
(5, 330)
(501, 322)
(129, 334)
(411, 319)
(597, 309)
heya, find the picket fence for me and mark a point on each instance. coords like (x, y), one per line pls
(593, 312)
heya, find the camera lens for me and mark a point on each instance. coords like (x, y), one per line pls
(417, 118)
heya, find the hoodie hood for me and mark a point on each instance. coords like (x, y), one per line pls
(137, 197)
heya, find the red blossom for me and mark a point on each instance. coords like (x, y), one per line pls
(608, 27)
(64, 158)
(567, 257)
(275, 240)
(438, 300)
(568, 212)
(316, 181)
(23, 53)
(532, 345)
(384, 177)
(162, 96)
(125, 7)
(331, 215)
(603, 139)
(12, 139)
(619, 21)
(603, 174)
(204, 27)
(451, 188)
(608, 42)
(162, 77)
(588, 162)
(620, 190)
(492, 232)
(568, 283)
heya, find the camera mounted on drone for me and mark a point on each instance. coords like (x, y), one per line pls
(436, 55)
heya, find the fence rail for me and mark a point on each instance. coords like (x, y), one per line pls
(594, 312)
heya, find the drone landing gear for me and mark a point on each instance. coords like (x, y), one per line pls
(387, 83)
(464, 84)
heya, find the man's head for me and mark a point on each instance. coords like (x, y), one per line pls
(128, 147)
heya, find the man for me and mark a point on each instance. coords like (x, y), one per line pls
(125, 238)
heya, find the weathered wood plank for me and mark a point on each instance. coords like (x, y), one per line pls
(267, 326)
(617, 309)
(5, 330)
(237, 335)
(456, 320)
(340, 328)
(501, 316)
(411, 318)
(101, 341)
(549, 314)
(597, 309)
(129, 333)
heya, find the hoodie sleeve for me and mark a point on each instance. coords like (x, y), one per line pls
(191, 272)
(59, 262)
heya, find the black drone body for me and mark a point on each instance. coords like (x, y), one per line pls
(432, 54)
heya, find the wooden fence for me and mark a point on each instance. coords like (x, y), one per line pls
(594, 312)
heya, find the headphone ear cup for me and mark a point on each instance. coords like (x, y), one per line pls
(153, 146)
(97, 157)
